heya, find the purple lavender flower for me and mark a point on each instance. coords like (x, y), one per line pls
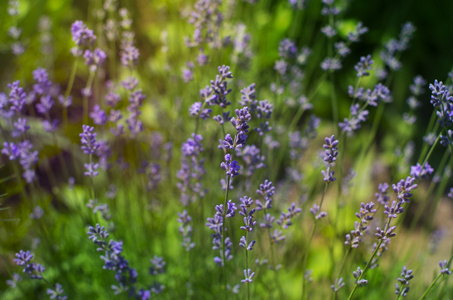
(24, 258)
(329, 31)
(266, 190)
(331, 64)
(130, 83)
(230, 167)
(20, 127)
(248, 97)
(17, 97)
(330, 154)
(277, 236)
(94, 59)
(418, 171)
(354, 36)
(196, 110)
(406, 276)
(81, 35)
(314, 211)
(286, 218)
(365, 216)
(43, 84)
(98, 116)
(129, 55)
(57, 293)
(15, 279)
(342, 49)
(252, 158)
(382, 196)
(339, 283)
(353, 124)
(363, 66)
(248, 274)
(191, 171)
(403, 188)
(185, 229)
(444, 267)
(287, 49)
(88, 140)
(357, 274)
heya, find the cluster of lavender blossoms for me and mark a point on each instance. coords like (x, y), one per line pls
(265, 191)
(247, 227)
(192, 170)
(403, 287)
(125, 276)
(371, 97)
(333, 63)
(89, 147)
(365, 216)
(330, 156)
(34, 271)
(442, 101)
(185, 229)
(20, 148)
(221, 243)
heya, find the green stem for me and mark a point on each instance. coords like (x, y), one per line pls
(430, 286)
(85, 98)
(225, 273)
(68, 90)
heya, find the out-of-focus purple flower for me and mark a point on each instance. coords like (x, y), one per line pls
(363, 66)
(266, 190)
(382, 196)
(444, 267)
(45, 105)
(185, 229)
(65, 101)
(315, 211)
(20, 127)
(287, 49)
(342, 49)
(17, 97)
(43, 83)
(50, 126)
(248, 274)
(129, 55)
(418, 171)
(339, 283)
(248, 97)
(329, 31)
(252, 159)
(94, 58)
(82, 36)
(98, 116)
(195, 110)
(57, 293)
(354, 36)
(286, 218)
(331, 64)
(353, 124)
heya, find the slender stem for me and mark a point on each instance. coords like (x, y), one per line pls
(431, 286)
(85, 97)
(247, 263)
(304, 262)
(369, 261)
(225, 273)
(68, 90)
